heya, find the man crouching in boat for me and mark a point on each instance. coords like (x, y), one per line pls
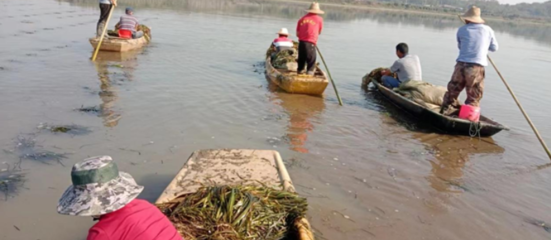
(128, 25)
(282, 42)
(474, 40)
(308, 29)
(100, 191)
(407, 67)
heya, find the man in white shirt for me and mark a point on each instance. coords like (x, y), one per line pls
(407, 67)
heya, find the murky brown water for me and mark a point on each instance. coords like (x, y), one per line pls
(369, 171)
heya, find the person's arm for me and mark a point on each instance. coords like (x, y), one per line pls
(458, 40)
(321, 26)
(493, 42)
(114, 2)
(298, 25)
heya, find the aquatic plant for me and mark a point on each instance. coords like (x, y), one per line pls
(235, 212)
(11, 179)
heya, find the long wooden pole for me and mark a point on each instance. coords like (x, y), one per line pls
(103, 33)
(519, 105)
(329, 73)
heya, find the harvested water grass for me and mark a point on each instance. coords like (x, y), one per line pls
(236, 213)
(374, 75)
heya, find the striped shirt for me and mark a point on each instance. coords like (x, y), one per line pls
(283, 43)
(128, 22)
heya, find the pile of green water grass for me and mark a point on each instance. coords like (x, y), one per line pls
(235, 213)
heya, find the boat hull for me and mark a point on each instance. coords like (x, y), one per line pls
(447, 124)
(119, 44)
(290, 82)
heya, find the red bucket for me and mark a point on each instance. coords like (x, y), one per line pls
(125, 33)
(470, 113)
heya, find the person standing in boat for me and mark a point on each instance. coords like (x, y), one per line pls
(104, 7)
(128, 25)
(308, 29)
(100, 191)
(282, 42)
(474, 40)
(407, 67)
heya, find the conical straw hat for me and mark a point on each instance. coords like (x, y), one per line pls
(315, 8)
(473, 15)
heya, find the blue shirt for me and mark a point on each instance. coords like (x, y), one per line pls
(474, 41)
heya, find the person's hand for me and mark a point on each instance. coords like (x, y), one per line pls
(114, 2)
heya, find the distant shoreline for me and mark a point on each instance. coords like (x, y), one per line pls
(383, 8)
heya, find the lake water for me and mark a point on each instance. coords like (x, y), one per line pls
(369, 170)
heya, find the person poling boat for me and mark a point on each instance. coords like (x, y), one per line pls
(474, 40)
(407, 67)
(308, 30)
(128, 25)
(100, 191)
(104, 7)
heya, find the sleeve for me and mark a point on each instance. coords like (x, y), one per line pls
(395, 67)
(493, 42)
(97, 234)
(298, 25)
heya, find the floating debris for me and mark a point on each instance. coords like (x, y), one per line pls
(92, 109)
(11, 179)
(70, 129)
(232, 213)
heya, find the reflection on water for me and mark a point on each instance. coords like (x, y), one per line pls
(127, 63)
(452, 154)
(295, 10)
(303, 110)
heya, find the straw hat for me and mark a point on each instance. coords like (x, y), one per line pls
(473, 15)
(315, 8)
(98, 188)
(283, 31)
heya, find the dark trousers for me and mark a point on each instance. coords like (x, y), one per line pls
(104, 13)
(306, 55)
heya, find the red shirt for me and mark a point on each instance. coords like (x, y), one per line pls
(139, 220)
(309, 28)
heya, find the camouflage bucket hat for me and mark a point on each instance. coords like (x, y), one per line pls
(98, 188)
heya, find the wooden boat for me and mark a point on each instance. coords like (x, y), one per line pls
(234, 167)
(115, 44)
(290, 82)
(456, 126)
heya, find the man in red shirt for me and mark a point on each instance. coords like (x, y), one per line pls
(100, 191)
(308, 29)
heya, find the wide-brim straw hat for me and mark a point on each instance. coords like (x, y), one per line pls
(315, 8)
(473, 15)
(283, 31)
(98, 188)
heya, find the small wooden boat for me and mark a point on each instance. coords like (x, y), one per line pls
(485, 128)
(234, 167)
(293, 83)
(115, 44)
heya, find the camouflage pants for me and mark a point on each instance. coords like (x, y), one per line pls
(469, 76)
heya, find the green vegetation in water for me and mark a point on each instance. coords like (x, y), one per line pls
(11, 179)
(235, 212)
(26, 148)
(70, 129)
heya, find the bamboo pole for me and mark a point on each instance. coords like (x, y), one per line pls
(103, 33)
(519, 105)
(331, 78)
